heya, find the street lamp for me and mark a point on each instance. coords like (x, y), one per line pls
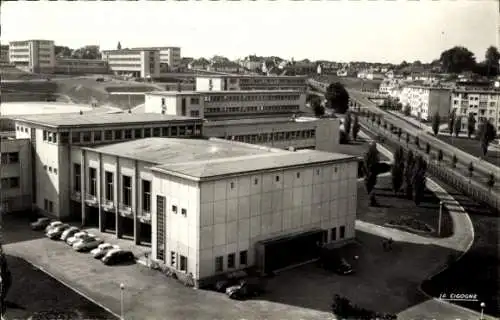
(440, 216)
(482, 309)
(122, 287)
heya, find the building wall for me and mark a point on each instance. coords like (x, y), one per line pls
(33, 55)
(172, 105)
(15, 198)
(250, 83)
(81, 66)
(485, 105)
(440, 102)
(136, 62)
(210, 84)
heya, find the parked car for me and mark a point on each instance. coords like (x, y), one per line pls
(343, 267)
(55, 233)
(118, 256)
(68, 233)
(53, 224)
(87, 243)
(336, 263)
(245, 289)
(76, 237)
(40, 224)
(102, 250)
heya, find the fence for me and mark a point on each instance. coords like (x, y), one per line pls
(469, 187)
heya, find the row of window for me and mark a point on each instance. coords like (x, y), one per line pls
(10, 183)
(275, 136)
(50, 169)
(9, 157)
(183, 261)
(267, 97)
(333, 233)
(231, 261)
(271, 81)
(288, 108)
(22, 129)
(48, 205)
(50, 136)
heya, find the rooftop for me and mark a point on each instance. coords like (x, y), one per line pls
(32, 108)
(98, 119)
(233, 92)
(174, 150)
(248, 76)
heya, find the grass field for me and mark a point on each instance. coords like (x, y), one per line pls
(351, 82)
(471, 146)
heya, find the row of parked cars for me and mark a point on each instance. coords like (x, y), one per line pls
(82, 241)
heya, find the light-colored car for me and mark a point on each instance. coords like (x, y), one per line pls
(52, 225)
(87, 243)
(76, 237)
(68, 233)
(102, 250)
(56, 232)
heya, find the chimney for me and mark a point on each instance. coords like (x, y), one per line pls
(81, 112)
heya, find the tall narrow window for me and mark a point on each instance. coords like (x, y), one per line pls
(219, 264)
(77, 177)
(108, 177)
(127, 190)
(160, 228)
(92, 182)
(342, 232)
(146, 196)
(183, 107)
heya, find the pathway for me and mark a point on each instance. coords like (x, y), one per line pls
(461, 241)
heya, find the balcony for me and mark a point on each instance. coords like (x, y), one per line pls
(108, 205)
(125, 210)
(145, 217)
(91, 200)
(76, 195)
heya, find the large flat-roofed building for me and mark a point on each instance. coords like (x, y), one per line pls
(425, 101)
(53, 135)
(33, 55)
(169, 56)
(81, 66)
(217, 206)
(4, 53)
(483, 103)
(141, 63)
(250, 82)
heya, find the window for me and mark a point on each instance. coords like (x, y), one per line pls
(173, 256)
(86, 136)
(174, 209)
(277, 178)
(128, 134)
(77, 177)
(127, 190)
(146, 196)
(51, 206)
(10, 157)
(174, 131)
(45, 204)
(108, 135)
(219, 264)
(93, 181)
(64, 137)
(97, 135)
(54, 137)
(138, 133)
(156, 132)
(231, 261)
(342, 232)
(184, 212)
(45, 167)
(147, 132)
(333, 235)
(195, 100)
(75, 137)
(232, 185)
(183, 263)
(9, 183)
(298, 175)
(164, 132)
(108, 178)
(160, 228)
(50, 169)
(55, 170)
(194, 113)
(162, 101)
(243, 258)
(317, 172)
(183, 107)
(44, 135)
(256, 181)
(118, 134)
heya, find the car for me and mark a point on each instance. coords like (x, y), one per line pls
(336, 263)
(56, 232)
(87, 243)
(40, 224)
(102, 250)
(245, 289)
(68, 233)
(76, 237)
(53, 224)
(343, 267)
(118, 256)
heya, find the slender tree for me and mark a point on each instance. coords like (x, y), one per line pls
(457, 126)
(417, 142)
(454, 161)
(491, 181)
(471, 125)
(6, 277)
(347, 123)
(436, 121)
(470, 168)
(407, 138)
(440, 155)
(407, 110)
(418, 179)
(398, 170)
(486, 133)
(451, 121)
(408, 174)
(427, 148)
(355, 127)
(371, 164)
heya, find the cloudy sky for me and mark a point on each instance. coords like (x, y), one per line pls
(341, 30)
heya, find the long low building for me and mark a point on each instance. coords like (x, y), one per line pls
(230, 82)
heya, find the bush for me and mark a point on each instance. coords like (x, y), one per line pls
(344, 309)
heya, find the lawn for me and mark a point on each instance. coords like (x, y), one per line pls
(392, 207)
(471, 146)
(357, 148)
(478, 270)
(35, 293)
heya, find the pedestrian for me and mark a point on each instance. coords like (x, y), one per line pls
(384, 245)
(390, 243)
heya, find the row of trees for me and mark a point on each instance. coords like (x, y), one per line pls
(459, 59)
(408, 175)
(87, 52)
(351, 128)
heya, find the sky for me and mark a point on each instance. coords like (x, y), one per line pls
(344, 30)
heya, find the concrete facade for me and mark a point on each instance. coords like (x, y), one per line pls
(250, 82)
(33, 55)
(483, 103)
(81, 66)
(425, 101)
(171, 56)
(136, 62)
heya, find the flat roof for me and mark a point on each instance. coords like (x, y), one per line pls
(176, 150)
(247, 76)
(203, 169)
(98, 119)
(31, 108)
(225, 92)
(214, 122)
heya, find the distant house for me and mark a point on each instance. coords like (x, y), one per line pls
(200, 64)
(225, 66)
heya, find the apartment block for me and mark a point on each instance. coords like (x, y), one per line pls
(33, 55)
(483, 103)
(250, 82)
(140, 63)
(425, 101)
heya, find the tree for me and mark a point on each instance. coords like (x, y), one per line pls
(492, 57)
(436, 121)
(408, 174)
(337, 97)
(397, 170)
(6, 277)
(470, 168)
(471, 125)
(407, 138)
(371, 163)
(119, 46)
(451, 121)
(407, 110)
(418, 179)
(454, 161)
(62, 51)
(355, 127)
(417, 142)
(399, 133)
(87, 52)
(347, 123)
(457, 126)
(427, 148)
(491, 181)
(317, 108)
(457, 60)
(486, 133)
(440, 155)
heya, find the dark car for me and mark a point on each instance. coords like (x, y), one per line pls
(118, 256)
(343, 268)
(99, 79)
(331, 260)
(40, 224)
(245, 289)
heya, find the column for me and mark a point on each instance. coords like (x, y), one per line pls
(100, 193)
(118, 220)
(83, 178)
(137, 204)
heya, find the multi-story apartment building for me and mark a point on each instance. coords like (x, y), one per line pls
(250, 82)
(4, 53)
(218, 206)
(425, 101)
(483, 103)
(143, 63)
(266, 117)
(81, 66)
(53, 135)
(169, 56)
(33, 55)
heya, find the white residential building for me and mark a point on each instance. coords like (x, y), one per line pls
(33, 55)
(425, 101)
(141, 63)
(484, 103)
(81, 66)
(250, 82)
(171, 56)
